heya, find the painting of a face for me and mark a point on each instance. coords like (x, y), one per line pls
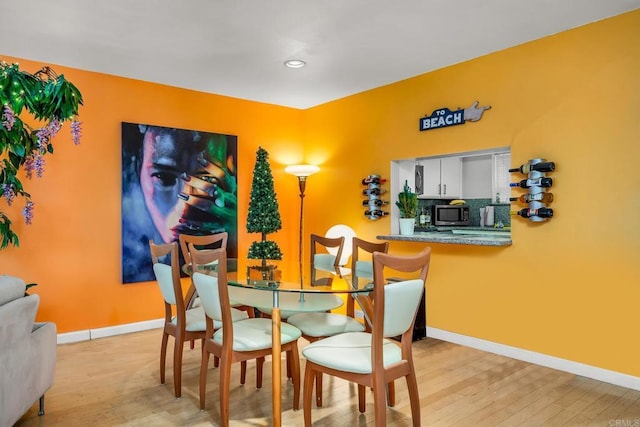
(174, 181)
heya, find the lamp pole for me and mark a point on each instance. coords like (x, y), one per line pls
(302, 183)
(302, 172)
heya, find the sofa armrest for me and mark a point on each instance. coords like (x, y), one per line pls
(43, 350)
(27, 358)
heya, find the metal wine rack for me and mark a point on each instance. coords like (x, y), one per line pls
(373, 202)
(536, 192)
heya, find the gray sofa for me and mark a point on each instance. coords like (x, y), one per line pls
(27, 352)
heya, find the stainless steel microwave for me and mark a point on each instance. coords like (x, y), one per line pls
(451, 215)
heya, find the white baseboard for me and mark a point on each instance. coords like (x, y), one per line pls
(576, 368)
(75, 336)
(90, 334)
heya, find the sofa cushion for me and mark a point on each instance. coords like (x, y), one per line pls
(11, 288)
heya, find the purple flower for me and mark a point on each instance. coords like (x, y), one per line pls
(8, 193)
(43, 137)
(27, 212)
(39, 165)
(54, 127)
(34, 162)
(28, 166)
(8, 117)
(76, 131)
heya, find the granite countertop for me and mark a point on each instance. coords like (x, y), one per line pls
(478, 236)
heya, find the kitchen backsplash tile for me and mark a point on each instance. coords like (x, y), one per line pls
(501, 210)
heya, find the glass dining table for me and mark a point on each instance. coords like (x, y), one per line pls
(319, 292)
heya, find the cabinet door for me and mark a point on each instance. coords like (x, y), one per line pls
(450, 177)
(477, 173)
(431, 186)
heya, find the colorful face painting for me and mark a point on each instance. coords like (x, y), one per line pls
(174, 181)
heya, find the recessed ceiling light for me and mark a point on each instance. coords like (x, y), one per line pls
(295, 63)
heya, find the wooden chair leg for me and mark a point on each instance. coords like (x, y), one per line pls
(225, 375)
(295, 368)
(216, 361)
(362, 398)
(243, 371)
(319, 389)
(391, 394)
(203, 377)
(163, 356)
(177, 366)
(307, 391)
(259, 366)
(380, 402)
(192, 344)
(414, 398)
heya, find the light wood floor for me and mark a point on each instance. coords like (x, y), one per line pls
(115, 381)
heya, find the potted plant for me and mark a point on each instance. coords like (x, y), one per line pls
(264, 218)
(408, 204)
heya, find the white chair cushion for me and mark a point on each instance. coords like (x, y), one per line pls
(324, 262)
(350, 352)
(165, 281)
(196, 319)
(401, 300)
(324, 324)
(255, 334)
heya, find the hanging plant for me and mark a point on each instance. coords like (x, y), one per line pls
(33, 108)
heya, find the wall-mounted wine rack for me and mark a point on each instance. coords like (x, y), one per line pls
(536, 184)
(373, 202)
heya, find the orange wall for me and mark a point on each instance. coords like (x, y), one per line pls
(569, 287)
(72, 249)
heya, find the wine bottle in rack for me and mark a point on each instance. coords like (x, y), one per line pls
(527, 198)
(377, 213)
(528, 213)
(373, 179)
(536, 182)
(540, 167)
(374, 202)
(373, 191)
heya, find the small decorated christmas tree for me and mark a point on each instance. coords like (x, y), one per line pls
(263, 216)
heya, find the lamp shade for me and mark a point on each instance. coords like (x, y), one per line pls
(301, 170)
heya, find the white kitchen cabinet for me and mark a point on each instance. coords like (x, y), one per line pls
(442, 178)
(477, 176)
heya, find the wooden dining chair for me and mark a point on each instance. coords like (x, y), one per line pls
(341, 230)
(362, 263)
(236, 341)
(315, 326)
(208, 241)
(184, 325)
(323, 257)
(371, 359)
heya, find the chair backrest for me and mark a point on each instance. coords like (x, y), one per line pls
(395, 304)
(325, 258)
(364, 267)
(212, 288)
(168, 277)
(341, 230)
(208, 241)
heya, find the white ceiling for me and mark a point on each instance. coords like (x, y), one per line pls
(237, 47)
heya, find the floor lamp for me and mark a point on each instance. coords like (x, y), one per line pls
(302, 172)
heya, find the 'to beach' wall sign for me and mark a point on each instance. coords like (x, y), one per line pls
(444, 117)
